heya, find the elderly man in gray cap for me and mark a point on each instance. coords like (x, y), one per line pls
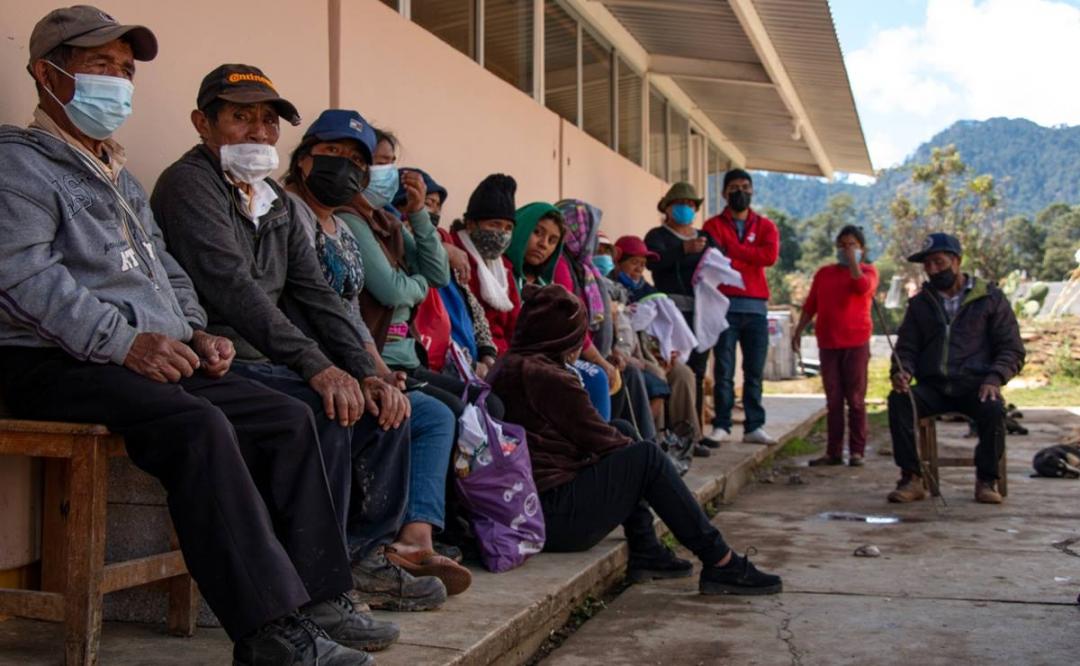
(98, 323)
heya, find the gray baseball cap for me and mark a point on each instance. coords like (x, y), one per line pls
(85, 26)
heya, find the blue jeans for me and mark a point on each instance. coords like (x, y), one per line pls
(751, 333)
(596, 385)
(432, 428)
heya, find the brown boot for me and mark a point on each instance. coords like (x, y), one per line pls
(910, 488)
(986, 492)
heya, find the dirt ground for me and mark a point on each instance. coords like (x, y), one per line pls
(962, 584)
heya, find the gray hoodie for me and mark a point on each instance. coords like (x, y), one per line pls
(69, 277)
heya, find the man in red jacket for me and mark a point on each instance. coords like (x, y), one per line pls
(752, 243)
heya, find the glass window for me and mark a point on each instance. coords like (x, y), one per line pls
(678, 153)
(453, 21)
(596, 88)
(657, 134)
(508, 41)
(629, 113)
(560, 61)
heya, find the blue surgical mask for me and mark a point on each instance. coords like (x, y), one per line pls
(383, 184)
(841, 257)
(683, 214)
(604, 263)
(100, 104)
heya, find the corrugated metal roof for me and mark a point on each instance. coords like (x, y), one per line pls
(751, 113)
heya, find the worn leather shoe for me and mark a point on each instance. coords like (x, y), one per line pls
(384, 585)
(340, 619)
(910, 488)
(455, 577)
(986, 492)
(295, 640)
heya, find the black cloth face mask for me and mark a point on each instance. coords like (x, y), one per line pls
(739, 201)
(333, 180)
(943, 280)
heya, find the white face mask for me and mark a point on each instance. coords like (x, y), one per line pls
(249, 162)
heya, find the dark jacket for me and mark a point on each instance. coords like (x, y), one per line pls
(247, 276)
(981, 345)
(673, 272)
(565, 432)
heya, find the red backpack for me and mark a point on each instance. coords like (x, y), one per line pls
(431, 326)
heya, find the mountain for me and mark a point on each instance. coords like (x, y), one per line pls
(1034, 166)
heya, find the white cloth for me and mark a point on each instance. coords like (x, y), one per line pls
(494, 281)
(658, 316)
(711, 306)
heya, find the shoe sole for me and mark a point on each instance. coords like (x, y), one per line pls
(374, 645)
(719, 589)
(455, 577)
(380, 601)
(646, 575)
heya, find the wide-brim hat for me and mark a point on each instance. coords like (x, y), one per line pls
(680, 190)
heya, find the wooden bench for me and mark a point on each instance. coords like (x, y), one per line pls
(74, 576)
(928, 451)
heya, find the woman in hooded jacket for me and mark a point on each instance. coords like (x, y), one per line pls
(592, 478)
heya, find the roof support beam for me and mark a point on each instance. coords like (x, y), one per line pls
(666, 5)
(754, 28)
(634, 53)
(743, 73)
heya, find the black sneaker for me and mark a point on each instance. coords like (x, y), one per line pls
(384, 585)
(826, 460)
(295, 640)
(738, 576)
(644, 568)
(341, 621)
(701, 451)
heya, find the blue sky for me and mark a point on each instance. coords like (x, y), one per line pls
(917, 66)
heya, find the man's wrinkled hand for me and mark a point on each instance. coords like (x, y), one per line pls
(459, 262)
(989, 392)
(215, 353)
(901, 382)
(161, 358)
(340, 392)
(386, 403)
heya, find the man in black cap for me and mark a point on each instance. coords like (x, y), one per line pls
(98, 323)
(231, 226)
(961, 343)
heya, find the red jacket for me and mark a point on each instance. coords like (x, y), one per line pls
(501, 323)
(842, 306)
(758, 250)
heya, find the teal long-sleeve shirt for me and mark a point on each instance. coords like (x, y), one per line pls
(402, 290)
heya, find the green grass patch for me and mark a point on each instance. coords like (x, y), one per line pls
(1058, 394)
(669, 541)
(799, 446)
(711, 508)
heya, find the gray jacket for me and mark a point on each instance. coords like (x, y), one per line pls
(262, 286)
(69, 277)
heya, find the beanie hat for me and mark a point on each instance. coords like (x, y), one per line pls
(736, 174)
(493, 199)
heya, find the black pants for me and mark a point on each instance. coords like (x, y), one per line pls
(930, 400)
(448, 390)
(240, 463)
(368, 467)
(619, 490)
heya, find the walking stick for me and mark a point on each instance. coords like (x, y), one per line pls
(935, 487)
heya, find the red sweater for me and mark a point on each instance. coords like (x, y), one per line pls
(501, 323)
(842, 306)
(758, 250)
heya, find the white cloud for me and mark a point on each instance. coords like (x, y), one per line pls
(969, 59)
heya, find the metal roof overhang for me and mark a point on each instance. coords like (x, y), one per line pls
(764, 79)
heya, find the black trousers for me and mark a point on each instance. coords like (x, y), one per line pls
(931, 400)
(448, 390)
(368, 467)
(240, 463)
(619, 490)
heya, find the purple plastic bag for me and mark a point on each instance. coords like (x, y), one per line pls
(500, 498)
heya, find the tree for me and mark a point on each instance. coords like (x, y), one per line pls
(790, 251)
(1027, 241)
(1061, 224)
(944, 196)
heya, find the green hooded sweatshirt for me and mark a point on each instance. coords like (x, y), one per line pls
(527, 217)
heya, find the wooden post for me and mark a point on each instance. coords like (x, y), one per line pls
(183, 600)
(85, 558)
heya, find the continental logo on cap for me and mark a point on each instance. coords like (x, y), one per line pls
(237, 77)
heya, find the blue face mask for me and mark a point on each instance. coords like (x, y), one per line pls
(841, 257)
(683, 214)
(100, 105)
(630, 283)
(383, 185)
(604, 263)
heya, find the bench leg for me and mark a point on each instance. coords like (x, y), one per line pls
(85, 557)
(183, 601)
(929, 453)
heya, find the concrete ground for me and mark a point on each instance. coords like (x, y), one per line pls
(502, 619)
(970, 584)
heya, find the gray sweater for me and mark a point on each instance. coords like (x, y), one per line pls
(262, 286)
(69, 277)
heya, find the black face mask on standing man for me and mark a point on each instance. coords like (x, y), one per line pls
(943, 280)
(739, 200)
(333, 180)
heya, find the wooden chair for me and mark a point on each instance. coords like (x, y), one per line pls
(928, 451)
(74, 576)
